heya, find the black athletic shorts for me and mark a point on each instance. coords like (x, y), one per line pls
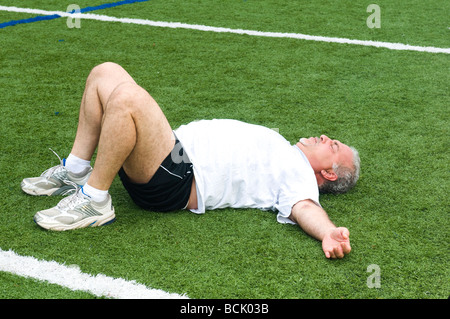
(169, 189)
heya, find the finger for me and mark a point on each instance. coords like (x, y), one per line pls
(346, 248)
(345, 233)
(338, 252)
(327, 254)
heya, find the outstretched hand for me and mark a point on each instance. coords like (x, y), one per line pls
(336, 244)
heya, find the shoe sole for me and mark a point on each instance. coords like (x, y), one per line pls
(34, 191)
(94, 221)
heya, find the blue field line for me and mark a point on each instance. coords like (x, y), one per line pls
(56, 16)
(30, 20)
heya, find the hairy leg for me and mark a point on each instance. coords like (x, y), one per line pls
(101, 82)
(126, 124)
(135, 134)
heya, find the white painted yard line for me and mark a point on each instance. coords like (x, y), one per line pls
(72, 278)
(90, 16)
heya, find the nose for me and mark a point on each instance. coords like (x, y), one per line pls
(324, 138)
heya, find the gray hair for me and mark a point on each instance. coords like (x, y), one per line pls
(347, 176)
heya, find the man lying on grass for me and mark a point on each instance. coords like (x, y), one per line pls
(200, 166)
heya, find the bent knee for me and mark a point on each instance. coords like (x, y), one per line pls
(106, 68)
(127, 96)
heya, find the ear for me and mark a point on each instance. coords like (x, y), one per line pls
(329, 174)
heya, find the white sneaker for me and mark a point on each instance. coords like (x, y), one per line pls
(57, 180)
(76, 211)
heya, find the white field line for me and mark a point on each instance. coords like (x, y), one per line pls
(90, 16)
(72, 278)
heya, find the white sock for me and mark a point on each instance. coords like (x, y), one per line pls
(75, 164)
(95, 194)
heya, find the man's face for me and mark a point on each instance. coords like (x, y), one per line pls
(323, 152)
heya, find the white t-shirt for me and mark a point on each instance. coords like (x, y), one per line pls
(242, 165)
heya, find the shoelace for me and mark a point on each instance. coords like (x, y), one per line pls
(73, 200)
(52, 170)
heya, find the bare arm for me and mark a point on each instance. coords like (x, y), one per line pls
(315, 222)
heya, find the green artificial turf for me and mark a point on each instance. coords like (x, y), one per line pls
(391, 105)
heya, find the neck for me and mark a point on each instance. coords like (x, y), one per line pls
(317, 173)
(319, 178)
(308, 155)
